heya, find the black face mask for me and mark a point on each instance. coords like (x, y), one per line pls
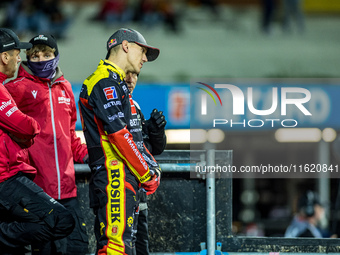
(44, 69)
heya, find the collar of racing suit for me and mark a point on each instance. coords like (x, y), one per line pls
(118, 69)
(58, 74)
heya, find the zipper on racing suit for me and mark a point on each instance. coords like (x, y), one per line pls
(54, 138)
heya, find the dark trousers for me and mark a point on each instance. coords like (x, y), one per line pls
(74, 244)
(29, 216)
(142, 242)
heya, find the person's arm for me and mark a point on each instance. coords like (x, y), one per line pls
(111, 119)
(21, 127)
(155, 142)
(155, 139)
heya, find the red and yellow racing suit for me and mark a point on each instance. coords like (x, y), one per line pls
(117, 157)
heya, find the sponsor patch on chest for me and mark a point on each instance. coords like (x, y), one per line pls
(110, 93)
(64, 100)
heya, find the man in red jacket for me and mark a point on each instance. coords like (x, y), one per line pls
(42, 92)
(27, 214)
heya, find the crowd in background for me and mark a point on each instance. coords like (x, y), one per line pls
(147, 12)
(42, 16)
(37, 16)
(291, 13)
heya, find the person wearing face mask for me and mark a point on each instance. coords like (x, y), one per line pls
(42, 92)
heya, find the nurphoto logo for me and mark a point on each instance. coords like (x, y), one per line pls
(254, 107)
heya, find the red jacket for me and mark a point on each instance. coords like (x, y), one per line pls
(52, 104)
(13, 158)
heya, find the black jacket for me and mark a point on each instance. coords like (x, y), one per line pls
(155, 142)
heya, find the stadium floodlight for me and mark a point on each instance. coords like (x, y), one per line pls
(183, 136)
(215, 136)
(328, 135)
(298, 135)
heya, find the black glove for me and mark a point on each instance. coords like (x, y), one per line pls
(157, 121)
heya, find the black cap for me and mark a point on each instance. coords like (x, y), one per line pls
(9, 41)
(48, 40)
(131, 35)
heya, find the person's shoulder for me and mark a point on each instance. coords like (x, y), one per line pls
(16, 83)
(112, 71)
(3, 90)
(101, 74)
(62, 80)
(105, 70)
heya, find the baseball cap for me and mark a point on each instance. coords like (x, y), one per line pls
(48, 40)
(131, 35)
(9, 41)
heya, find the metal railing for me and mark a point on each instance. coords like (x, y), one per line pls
(186, 161)
(169, 160)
